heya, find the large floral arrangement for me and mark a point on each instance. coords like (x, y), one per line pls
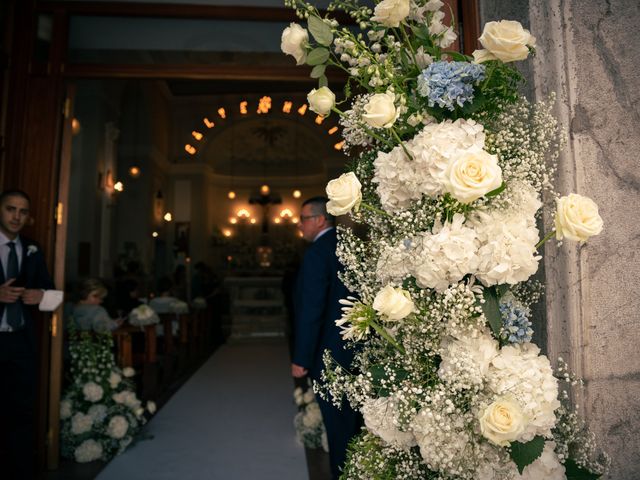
(310, 430)
(100, 412)
(450, 163)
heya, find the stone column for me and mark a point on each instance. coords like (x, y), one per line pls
(589, 54)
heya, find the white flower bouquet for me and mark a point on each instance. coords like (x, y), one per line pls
(450, 166)
(100, 413)
(308, 423)
(143, 315)
(179, 307)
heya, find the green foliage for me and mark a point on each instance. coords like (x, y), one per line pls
(491, 310)
(320, 31)
(576, 472)
(524, 454)
(318, 56)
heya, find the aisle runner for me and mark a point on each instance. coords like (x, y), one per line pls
(232, 420)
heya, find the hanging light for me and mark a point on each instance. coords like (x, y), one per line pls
(154, 234)
(134, 172)
(75, 126)
(253, 221)
(168, 217)
(297, 194)
(231, 194)
(233, 220)
(118, 186)
(264, 189)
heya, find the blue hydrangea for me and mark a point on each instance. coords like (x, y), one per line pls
(516, 327)
(447, 84)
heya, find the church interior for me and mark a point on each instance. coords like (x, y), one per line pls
(170, 142)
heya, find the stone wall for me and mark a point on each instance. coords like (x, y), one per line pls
(589, 53)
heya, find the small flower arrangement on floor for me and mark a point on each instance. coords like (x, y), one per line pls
(100, 412)
(308, 422)
(143, 315)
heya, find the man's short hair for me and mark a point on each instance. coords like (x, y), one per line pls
(319, 207)
(14, 193)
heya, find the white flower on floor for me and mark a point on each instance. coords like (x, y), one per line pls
(117, 427)
(92, 391)
(114, 379)
(98, 413)
(381, 418)
(88, 451)
(81, 423)
(546, 466)
(65, 409)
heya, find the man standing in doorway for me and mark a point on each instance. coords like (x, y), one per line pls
(23, 277)
(317, 294)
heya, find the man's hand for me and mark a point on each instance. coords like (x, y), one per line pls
(32, 296)
(297, 371)
(9, 294)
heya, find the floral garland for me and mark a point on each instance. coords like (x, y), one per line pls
(308, 423)
(450, 165)
(100, 412)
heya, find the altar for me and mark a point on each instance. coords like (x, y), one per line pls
(257, 307)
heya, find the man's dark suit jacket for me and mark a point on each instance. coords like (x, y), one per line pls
(33, 274)
(317, 307)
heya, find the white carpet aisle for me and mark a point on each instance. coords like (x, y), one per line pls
(232, 420)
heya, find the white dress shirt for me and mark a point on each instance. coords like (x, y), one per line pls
(4, 258)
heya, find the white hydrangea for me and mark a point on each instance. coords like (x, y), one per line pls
(92, 392)
(381, 419)
(546, 466)
(117, 427)
(128, 372)
(81, 423)
(88, 451)
(520, 370)
(127, 398)
(445, 255)
(508, 240)
(393, 264)
(98, 412)
(401, 180)
(65, 409)
(312, 415)
(466, 360)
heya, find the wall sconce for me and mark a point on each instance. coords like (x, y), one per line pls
(134, 172)
(118, 186)
(286, 213)
(264, 190)
(75, 126)
(168, 217)
(243, 213)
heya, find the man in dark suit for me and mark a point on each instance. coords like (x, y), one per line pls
(317, 307)
(23, 277)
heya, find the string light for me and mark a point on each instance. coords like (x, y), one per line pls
(222, 113)
(339, 145)
(196, 135)
(243, 107)
(333, 130)
(190, 149)
(303, 109)
(286, 107)
(208, 123)
(319, 119)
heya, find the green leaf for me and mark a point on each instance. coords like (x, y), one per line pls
(320, 31)
(491, 310)
(457, 56)
(378, 373)
(576, 472)
(497, 191)
(323, 82)
(524, 454)
(502, 289)
(318, 71)
(318, 56)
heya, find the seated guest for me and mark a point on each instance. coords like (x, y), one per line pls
(127, 295)
(162, 303)
(88, 314)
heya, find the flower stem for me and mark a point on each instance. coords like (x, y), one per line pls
(377, 137)
(384, 334)
(371, 208)
(397, 137)
(546, 237)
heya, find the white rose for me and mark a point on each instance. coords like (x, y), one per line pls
(293, 42)
(92, 392)
(344, 194)
(483, 55)
(577, 218)
(88, 451)
(118, 427)
(503, 421)
(472, 174)
(507, 40)
(128, 372)
(393, 303)
(380, 111)
(321, 101)
(391, 12)
(81, 423)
